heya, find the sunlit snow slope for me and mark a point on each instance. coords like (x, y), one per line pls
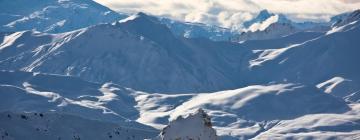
(53, 15)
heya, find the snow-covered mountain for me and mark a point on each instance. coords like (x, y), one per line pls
(333, 54)
(136, 76)
(145, 55)
(142, 53)
(261, 17)
(53, 16)
(268, 26)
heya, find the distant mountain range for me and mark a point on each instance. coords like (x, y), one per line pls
(61, 16)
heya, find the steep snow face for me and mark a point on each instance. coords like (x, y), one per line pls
(45, 126)
(53, 16)
(342, 28)
(141, 52)
(31, 92)
(194, 126)
(345, 22)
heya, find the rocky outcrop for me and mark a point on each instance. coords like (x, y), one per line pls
(196, 126)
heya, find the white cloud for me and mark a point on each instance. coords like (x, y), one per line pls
(231, 13)
(262, 26)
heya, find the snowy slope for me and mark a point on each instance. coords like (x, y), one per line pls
(31, 92)
(46, 126)
(277, 102)
(53, 15)
(155, 60)
(235, 113)
(140, 51)
(246, 112)
(319, 126)
(333, 54)
(296, 38)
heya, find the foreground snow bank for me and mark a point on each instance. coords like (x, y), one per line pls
(55, 126)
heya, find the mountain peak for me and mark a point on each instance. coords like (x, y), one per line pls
(265, 13)
(146, 26)
(261, 17)
(140, 17)
(141, 14)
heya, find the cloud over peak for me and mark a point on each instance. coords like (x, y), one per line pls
(232, 13)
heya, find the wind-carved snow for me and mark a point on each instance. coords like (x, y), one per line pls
(10, 39)
(271, 54)
(340, 28)
(130, 18)
(245, 101)
(51, 95)
(233, 99)
(108, 96)
(108, 92)
(353, 97)
(155, 108)
(329, 85)
(267, 55)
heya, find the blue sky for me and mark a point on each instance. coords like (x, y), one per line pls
(229, 13)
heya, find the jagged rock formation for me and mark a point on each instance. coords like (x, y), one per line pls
(196, 126)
